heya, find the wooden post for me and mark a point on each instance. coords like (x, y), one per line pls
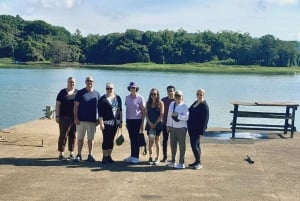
(49, 112)
(286, 121)
(235, 111)
(293, 121)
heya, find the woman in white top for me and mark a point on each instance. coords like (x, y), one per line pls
(178, 115)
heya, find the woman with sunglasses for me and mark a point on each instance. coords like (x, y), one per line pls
(197, 123)
(135, 114)
(178, 115)
(110, 119)
(154, 115)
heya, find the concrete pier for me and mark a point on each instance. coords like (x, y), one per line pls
(30, 170)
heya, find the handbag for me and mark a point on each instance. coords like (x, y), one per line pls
(142, 143)
(120, 138)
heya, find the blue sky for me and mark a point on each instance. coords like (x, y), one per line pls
(279, 18)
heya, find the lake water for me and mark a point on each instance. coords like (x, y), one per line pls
(24, 93)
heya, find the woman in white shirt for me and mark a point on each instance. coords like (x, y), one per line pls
(178, 115)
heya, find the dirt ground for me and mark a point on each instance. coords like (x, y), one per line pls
(30, 170)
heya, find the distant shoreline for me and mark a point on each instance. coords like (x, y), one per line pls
(208, 67)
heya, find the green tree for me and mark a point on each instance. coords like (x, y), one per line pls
(58, 52)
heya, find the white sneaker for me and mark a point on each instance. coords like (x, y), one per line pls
(134, 160)
(156, 162)
(180, 166)
(198, 167)
(128, 159)
(172, 165)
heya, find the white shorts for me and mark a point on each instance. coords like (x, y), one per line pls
(86, 127)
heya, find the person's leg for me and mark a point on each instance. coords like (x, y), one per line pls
(71, 136)
(108, 140)
(63, 134)
(173, 144)
(91, 130)
(133, 127)
(157, 140)
(81, 130)
(195, 145)
(105, 136)
(165, 143)
(181, 136)
(111, 146)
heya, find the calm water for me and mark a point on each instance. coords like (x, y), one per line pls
(24, 93)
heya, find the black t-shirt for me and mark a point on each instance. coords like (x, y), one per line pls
(66, 102)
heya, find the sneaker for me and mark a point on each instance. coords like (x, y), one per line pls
(62, 158)
(77, 158)
(156, 161)
(134, 160)
(164, 159)
(193, 164)
(91, 158)
(172, 165)
(128, 159)
(71, 157)
(180, 166)
(198, 167)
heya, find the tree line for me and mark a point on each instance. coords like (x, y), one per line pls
(39, 41)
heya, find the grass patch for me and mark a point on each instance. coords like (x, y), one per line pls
(208, 67)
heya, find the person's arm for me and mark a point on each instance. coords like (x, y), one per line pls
(169, 118)
(206, 117)
(161, 116)
(183, 114)
(57, 111)
(120, 112)
(100, 114)
(143, 110)
(76, 119)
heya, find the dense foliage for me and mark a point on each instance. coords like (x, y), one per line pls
(39, 41)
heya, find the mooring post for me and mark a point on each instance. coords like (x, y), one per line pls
(49, 112)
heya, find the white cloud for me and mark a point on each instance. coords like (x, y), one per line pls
(283, 2)
(56, 3)
(256, 17)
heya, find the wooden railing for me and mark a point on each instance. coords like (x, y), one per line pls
(288, 117)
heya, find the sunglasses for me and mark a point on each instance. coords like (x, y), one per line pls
(89, 80)
(199, 94)
(109, 88)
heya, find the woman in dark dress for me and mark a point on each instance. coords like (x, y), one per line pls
(197, 124)
(154, 115)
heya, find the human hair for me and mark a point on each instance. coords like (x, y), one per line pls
(201, 91)
(171, 87)
(136, 88)
(157, 100)
(71, 78)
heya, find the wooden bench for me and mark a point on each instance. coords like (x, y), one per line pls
(288, 117)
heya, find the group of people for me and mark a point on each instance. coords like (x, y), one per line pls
(81, 111)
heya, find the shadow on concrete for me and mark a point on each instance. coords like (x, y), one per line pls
(120, 166)
(117, 166)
